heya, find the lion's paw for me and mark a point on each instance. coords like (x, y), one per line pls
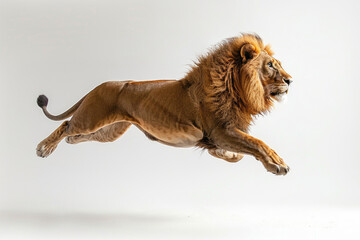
(70, 140)
(44, 150)
(76, 139)
(275, 164)
(277, 169)
(226, 155)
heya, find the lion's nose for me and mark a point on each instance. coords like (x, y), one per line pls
(288, 81)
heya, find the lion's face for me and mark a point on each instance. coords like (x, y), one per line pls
(273, 77)
(247, 71)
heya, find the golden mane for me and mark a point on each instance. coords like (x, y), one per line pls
(232, 90)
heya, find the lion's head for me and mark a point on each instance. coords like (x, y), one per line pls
(240, 75)
(240, 78)
(260, 72)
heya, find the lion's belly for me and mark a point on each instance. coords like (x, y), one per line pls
(181, 137)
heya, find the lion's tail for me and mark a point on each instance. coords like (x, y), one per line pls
(42, 101)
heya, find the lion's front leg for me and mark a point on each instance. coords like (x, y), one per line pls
(226, 155)
(235, 140)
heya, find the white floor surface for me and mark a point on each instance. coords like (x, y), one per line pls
(247, 222)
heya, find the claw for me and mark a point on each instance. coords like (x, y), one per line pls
(277, 169)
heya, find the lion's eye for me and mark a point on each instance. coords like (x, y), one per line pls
(270, 64)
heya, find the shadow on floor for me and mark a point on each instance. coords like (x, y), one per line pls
(88, 219)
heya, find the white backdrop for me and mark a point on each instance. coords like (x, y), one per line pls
(65, 48)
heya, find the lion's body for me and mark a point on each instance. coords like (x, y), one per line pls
(157, 108)
(211, 107)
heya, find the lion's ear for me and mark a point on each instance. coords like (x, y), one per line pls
(247, 52)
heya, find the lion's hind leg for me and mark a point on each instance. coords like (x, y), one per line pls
(108, 133)
(49, 144)
(226, 155)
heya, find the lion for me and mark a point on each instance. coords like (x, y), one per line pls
(211, 107)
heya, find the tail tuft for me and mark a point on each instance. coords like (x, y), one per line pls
(42, 101)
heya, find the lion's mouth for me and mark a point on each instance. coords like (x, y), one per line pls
(278, 93)
(279, 96)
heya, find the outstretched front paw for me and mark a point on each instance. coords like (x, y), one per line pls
(277, 169)
(275, 164)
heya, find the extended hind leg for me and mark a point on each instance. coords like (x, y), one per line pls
(67, 128)
(106, 134)
(98, 109)
(226, 155)
(48, 145)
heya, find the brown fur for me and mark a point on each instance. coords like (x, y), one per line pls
(211, 107)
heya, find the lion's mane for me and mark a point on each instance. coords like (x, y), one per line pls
(231, 88)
